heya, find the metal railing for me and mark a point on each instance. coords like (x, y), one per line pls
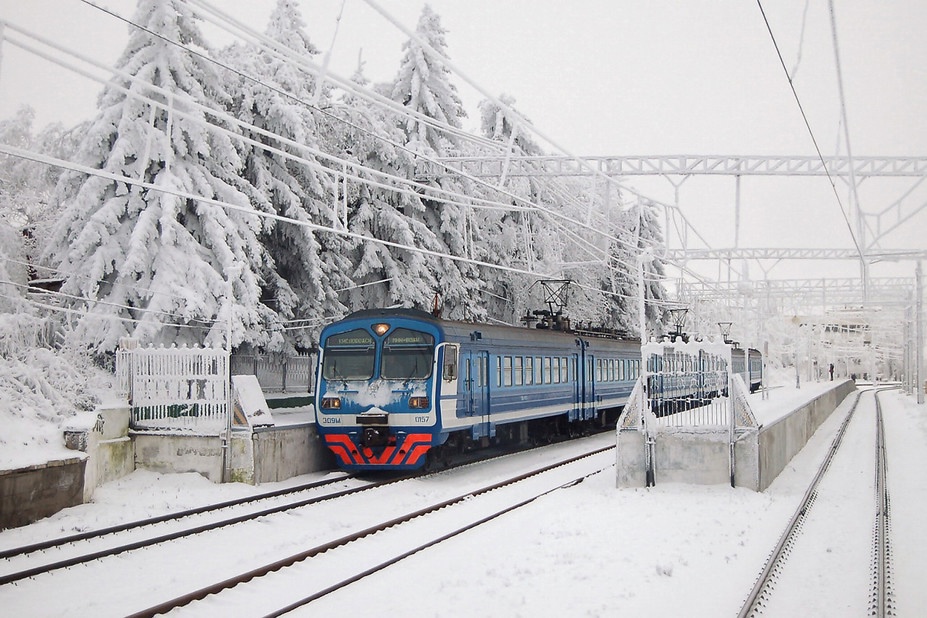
(278, 374)
(175, 388)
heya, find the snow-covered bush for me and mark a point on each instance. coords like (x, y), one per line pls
(42, 390)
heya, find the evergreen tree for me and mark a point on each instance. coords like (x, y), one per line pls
(521, 237)
(384, 275)
(152, 263)
(307, 267)
(423, 86)
(27, 188)
(640, 236)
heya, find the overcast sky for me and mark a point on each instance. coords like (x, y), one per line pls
(603, 77)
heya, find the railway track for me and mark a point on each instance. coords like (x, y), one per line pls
(37, 558)
(32, 559)
(269, 591)
(844, 487)
(110, 584)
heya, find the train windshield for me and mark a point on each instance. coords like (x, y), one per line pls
(407, 355)
(349, 356)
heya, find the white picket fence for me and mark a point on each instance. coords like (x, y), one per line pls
(175, 388)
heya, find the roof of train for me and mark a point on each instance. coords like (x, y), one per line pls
(460, 329)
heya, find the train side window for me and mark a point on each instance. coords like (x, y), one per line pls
(598, 370)
(519, 371)
(555, 370)
(450, 362)
(498, 371)
(529, 370)
(507, 371)
(546, 372)
(481, 379)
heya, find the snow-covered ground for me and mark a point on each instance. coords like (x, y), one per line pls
(590, 550)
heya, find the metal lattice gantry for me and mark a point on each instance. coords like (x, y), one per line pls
(878, 224)
(679, 255)
(824, 294)
(683, 165)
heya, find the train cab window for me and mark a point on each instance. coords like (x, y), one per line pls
(529, 370)
(519, 367)
(407, 355)
(349, 356)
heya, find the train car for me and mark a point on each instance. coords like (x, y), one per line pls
(749, 364)
(398, 388)
(755, 369)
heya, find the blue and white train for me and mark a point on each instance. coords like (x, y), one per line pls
(398, 387)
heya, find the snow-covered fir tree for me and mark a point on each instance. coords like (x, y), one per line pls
(640, 237)
(521, 234)
(423, 87)
(385, 275)
(157, 261)
(307, 266)
(27, 187)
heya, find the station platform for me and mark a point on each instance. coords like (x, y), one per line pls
(785, 418)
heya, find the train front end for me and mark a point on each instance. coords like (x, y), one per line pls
(375, 398)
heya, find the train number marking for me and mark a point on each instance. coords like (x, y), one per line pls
(331, 420)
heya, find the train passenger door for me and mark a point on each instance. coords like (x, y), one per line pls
(579, 387)
(477, 389)
(589, 387)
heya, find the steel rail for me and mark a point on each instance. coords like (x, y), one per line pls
(100, 532)
(112, 551)
(881, 599)
(314, 551)
(763, 586)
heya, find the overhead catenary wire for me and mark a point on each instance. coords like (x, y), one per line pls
(330, 171)
(433, 191)
(212, 112)
(814, 140)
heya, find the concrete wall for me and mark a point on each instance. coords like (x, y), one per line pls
(111, 451)
(284, 452)
(261, 455)
(31, 493)
(170, 452)
(686, 457)
(780, 441)
(630, 459)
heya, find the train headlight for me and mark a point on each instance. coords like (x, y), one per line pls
(381, 328)
(418, 403)
(331, 403)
